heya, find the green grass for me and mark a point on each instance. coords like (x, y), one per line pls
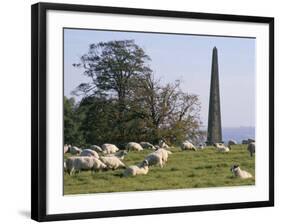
(184, 169)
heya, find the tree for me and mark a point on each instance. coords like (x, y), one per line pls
(171, 113)
(113, 68)
(72, 134)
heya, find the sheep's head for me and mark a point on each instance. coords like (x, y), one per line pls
(145, 163)
(234, 168)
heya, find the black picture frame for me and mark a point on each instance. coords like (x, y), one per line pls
(39, 107)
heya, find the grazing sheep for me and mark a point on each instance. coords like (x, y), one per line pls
(154, 159)
(251, 148)
(134, 146)
(89, 152)
(75, 150)
(186, 145)
(112, 162)
(120, 154)
(96, 148)
(109, 148)
(251, 140)
(163, 144)
(140, 169)
(164, 154)
(221, 147)
(231, 142)
(78, 163)
(66, 148)
(147, 145)
(235, 169)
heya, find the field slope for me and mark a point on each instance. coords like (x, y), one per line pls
(184, 169)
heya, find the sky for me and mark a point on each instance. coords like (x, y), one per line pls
(182, 57)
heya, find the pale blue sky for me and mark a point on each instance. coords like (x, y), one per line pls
(184, 57)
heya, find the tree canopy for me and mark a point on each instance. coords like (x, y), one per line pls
(122, 101)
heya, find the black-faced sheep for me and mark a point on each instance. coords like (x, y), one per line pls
(235, 169)
(163, 144)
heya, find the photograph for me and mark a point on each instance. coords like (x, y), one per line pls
(151, 111)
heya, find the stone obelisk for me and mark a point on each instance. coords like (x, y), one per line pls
(214, 121)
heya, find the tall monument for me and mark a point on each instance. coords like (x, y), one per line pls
(214, 121)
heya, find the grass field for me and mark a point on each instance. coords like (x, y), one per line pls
(184, 169)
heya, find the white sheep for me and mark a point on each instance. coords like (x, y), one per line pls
(120, 154)
(133, 146)
(154, 159)
(75, 150)
(112, 162)
(163, 144)
(78, 163)
(164, 154)
(89, 152)
(186, 145)
(251, 148)
(221, 147)
(109, 148)
(140, 169)
(147, 145)
(96, 148)
(66, 148)
(235, 169)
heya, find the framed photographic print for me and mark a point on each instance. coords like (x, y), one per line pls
(139, 111)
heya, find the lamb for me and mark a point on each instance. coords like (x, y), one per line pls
(251, 148)
(66, 148)
(96, 148)
(154, 159)
(109, 148)
(221, 147)
(75, 150)
(231, 142)
(134, 146)
(120, 154)
(78, 163)
(112, 162)
(164, 154)
(89, 152)
(163, 144)
(141, 169)
(235, 169)
(186, 145)
(147, 145)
